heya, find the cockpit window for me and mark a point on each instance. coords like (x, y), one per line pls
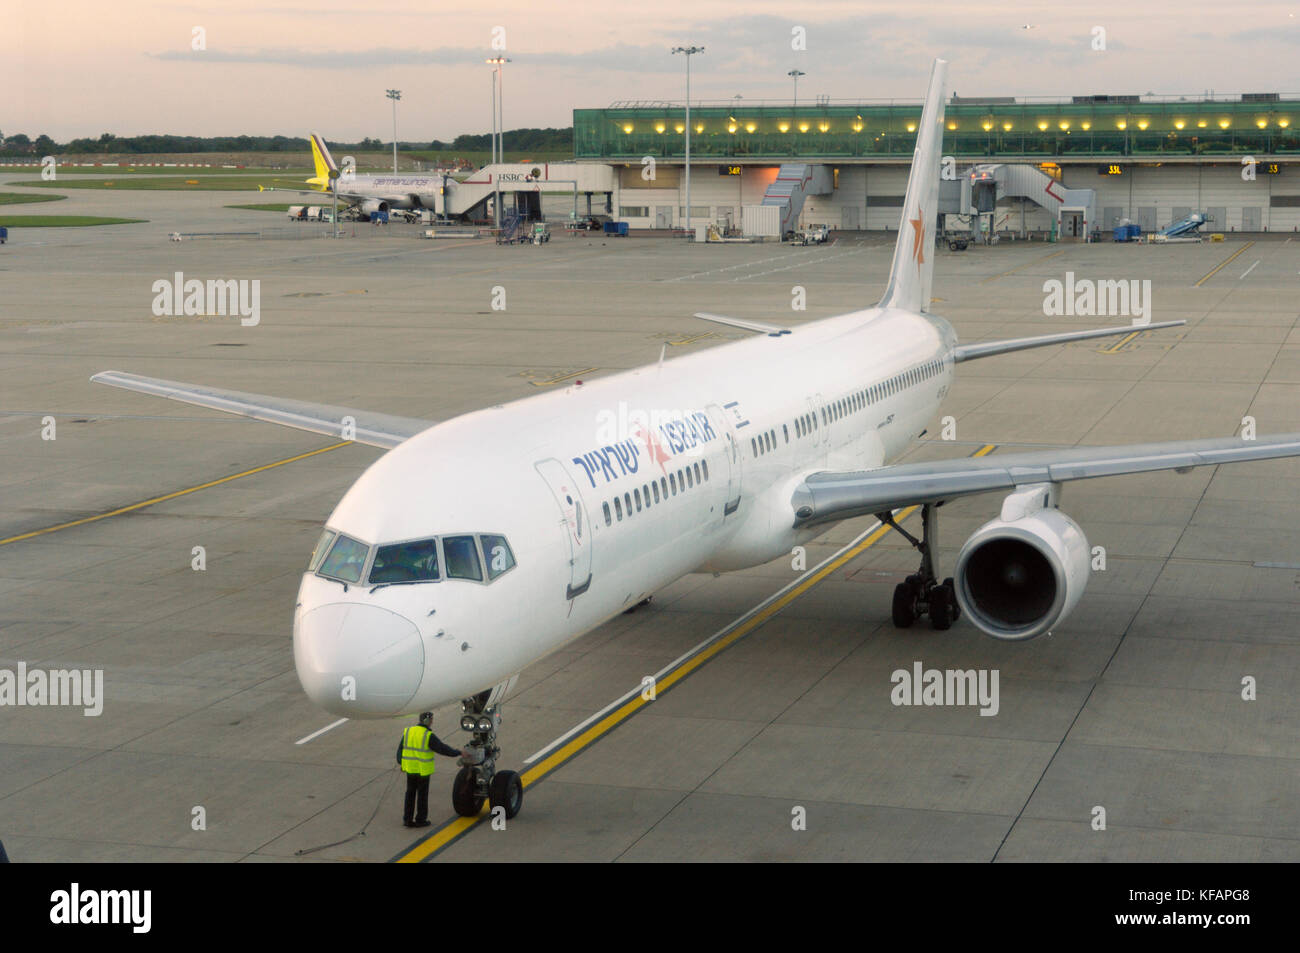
(498, 555)
(346, 559)
(406, 562)
(322, 547)
(461, 554)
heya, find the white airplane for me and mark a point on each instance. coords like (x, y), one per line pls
(480, 544)
(370, 192)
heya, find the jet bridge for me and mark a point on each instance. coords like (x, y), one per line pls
(520, 186)
(1075, 210)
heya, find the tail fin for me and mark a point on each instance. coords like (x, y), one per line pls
(912, 272)
(320, 153)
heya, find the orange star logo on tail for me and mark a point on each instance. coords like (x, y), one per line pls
(918, 239)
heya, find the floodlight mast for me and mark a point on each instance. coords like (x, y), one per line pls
(689, 51)
(394, 95)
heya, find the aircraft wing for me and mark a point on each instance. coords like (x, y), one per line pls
(377, 430)
(828, 496)
(325, 194)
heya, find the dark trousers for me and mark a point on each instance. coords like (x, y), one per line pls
(417, 785)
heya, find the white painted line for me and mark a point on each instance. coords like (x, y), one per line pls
(1250, 269)
(317, 734)
(721, 633)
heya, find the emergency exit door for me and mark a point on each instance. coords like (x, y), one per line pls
(573, 522)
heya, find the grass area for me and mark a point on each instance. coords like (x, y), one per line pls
(22, 198)
(109, 170)
(272, 207)
(63, 221)
(177, 183)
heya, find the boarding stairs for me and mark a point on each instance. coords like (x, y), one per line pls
(793, 183)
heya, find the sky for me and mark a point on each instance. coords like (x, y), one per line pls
(84, 67)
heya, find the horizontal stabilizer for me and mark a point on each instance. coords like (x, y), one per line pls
(377, 430)
(969, 352)
(743, 324)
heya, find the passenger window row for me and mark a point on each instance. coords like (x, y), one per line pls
(763, 443)
(860, 400)
(656, 491)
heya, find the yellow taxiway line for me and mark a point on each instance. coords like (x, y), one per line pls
(1223, 264)
(171, 496)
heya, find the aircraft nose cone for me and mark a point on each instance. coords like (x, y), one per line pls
(380, 651)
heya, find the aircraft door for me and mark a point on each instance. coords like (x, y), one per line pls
(574, 521)
(820, 434)
(731, 451)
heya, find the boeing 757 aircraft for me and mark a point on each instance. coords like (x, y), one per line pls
(368, 191)
(480, 544)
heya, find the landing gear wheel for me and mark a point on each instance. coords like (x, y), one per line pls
(464, 795)
(941, 606)
(921, 593)
(904, 608)
(506, 791)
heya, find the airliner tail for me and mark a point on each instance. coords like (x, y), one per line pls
(320, 154)
(912, 272)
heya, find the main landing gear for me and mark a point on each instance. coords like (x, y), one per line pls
(478, 779)
(922, 593)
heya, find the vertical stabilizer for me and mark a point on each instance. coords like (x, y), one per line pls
(912, 272)
(320, 154)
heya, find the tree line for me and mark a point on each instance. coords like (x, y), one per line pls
(20, 145)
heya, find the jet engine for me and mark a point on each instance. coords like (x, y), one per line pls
(374, 205)
(1021, 574)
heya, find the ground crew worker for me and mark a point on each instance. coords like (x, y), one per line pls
(415, 757)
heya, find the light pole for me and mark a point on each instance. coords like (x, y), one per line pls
(498, 106)
(394, 95)
(689, 51)
(334, 190)
(498, 126)
(795, 74)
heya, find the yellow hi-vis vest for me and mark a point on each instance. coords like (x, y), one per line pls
(416, 756)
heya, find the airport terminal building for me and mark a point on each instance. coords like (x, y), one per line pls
(1073, 166)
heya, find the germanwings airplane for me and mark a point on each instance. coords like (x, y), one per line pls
(480, 544)
(371, 192)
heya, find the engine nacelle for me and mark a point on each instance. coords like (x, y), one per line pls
(374, 205)
(1021, 574)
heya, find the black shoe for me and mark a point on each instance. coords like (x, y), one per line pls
(423, 824)
(408, 823)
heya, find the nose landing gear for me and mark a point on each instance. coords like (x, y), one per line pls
(922, 593)
(478, 779)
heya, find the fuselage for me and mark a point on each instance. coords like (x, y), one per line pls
(603, 493)
(397, 191)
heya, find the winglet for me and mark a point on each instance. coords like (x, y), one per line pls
(912, 272)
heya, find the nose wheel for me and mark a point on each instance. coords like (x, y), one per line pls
(921, 593)
(478, 779)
